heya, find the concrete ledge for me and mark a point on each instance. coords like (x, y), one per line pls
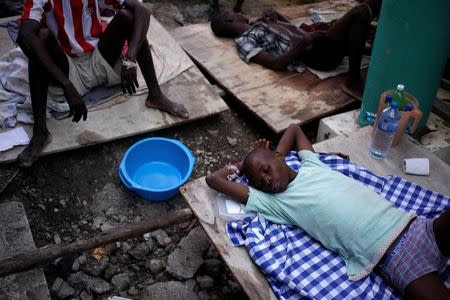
(341, 124)
(437, 141)
(15, 236)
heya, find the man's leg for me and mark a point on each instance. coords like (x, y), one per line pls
(431, 285)
(427, 287)
(351, 31)
(39, 82)
(441, 228)
(110, 46)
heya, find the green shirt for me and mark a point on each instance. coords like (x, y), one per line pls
(341, 213)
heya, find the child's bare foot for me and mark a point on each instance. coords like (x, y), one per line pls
(354, 88)
(164, 104)
(31, 153)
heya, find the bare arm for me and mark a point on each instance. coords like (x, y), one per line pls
(264, 59)
(282, 17)
(273, 15)
(238, 6)
(293, 136)
(218, 181)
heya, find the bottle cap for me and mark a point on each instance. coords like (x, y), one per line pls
(388, 98)
(409, 106)
(400, 87)
(394, 105)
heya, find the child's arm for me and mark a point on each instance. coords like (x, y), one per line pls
(218, 181)
(280, 62)
(293, 136)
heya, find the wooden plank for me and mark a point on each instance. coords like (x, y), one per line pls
(131, 117)
(357, 147)
(202, 201)
(278, 98)
(31, 258)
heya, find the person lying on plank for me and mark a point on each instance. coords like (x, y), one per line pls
(343, 214)
(273, 42)
(67, 50)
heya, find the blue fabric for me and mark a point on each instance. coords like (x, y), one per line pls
(13, 29)
(298, 267)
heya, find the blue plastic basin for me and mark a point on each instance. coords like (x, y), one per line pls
(155, 168)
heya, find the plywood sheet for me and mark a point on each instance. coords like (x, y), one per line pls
(278, 98)
(128, 117)
(131, 117)
(202, 201)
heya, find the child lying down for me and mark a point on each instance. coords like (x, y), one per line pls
(343, 215)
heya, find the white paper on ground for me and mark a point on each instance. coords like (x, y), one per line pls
(234, 207)
(230, 209)
(13, 137)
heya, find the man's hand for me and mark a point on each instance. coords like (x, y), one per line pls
(129, 80)
(77, 107)
(269, 15)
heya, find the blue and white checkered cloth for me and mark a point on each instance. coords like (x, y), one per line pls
(298, 267)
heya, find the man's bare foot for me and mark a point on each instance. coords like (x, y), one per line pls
(31, 153)
(164, 104)
(354, 88)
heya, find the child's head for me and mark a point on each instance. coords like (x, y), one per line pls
(229, 24)
(266, 171)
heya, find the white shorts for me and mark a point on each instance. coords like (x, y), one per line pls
(85, 73)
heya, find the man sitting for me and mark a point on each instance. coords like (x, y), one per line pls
(273, 42)
(343, 214)
(67, 50)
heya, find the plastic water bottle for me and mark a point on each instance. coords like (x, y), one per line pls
(409, 107)
(388, 100)
(385, 131)
(399, 97)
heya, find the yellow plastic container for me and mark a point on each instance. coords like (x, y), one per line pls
(406, 116)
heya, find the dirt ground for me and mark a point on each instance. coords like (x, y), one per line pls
(65, 194)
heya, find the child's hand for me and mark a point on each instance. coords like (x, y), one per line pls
(237, 163)
(261, 143)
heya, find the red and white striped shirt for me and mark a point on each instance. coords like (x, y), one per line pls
(75, 23)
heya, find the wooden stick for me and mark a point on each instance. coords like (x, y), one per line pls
(30, 259)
